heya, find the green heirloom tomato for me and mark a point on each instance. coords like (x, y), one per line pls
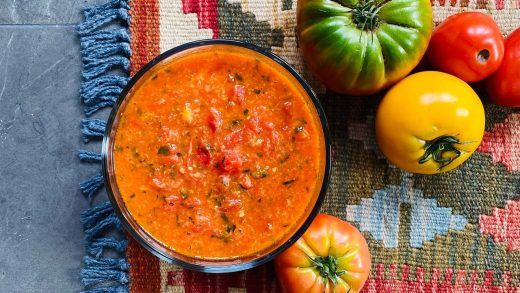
(360, 47)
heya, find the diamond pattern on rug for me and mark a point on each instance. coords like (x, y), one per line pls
(379, 215)
(504, 225)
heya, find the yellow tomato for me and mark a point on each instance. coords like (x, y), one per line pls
(430, 122)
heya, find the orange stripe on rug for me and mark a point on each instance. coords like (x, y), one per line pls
(144, 31)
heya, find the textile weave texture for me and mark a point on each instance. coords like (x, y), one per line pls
(452, 232)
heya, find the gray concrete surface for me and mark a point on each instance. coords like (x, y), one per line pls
(41, 11)
(41, 239)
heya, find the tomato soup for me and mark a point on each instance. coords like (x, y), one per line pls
(219, 153)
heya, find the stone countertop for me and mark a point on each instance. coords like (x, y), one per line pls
(41, 242)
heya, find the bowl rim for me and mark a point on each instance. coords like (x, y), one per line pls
(233, 267)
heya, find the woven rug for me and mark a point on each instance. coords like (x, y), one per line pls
(452, 232)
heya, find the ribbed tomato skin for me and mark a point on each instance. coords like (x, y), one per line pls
(357, 61)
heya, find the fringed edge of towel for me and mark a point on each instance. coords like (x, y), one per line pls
(105, 53)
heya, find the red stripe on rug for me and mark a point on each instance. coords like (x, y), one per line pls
(207, 13)
(144, 29)
(259, 279)
(145, 276)
(453, 281)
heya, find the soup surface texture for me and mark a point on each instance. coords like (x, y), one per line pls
(218, 154)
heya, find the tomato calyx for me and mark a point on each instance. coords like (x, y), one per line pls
(328, 268)
(436, 148)
(365, 15)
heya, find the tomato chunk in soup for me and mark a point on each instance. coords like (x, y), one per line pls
(218, 154)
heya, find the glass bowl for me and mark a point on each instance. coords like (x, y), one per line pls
(147, 240)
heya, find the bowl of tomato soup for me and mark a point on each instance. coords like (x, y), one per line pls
(217, 156)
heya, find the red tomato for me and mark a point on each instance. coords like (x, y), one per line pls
(239, 93)
(214, 119)
(331, 256)
(204, 154)
(231, 161)
(504, 85)
(233, 138)
(245, 181)
(468, 45)
(254, 124)
(230, 204)
(171, 203)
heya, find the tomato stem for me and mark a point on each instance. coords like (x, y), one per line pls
(435, 150)
(328, 268)
(365, 15)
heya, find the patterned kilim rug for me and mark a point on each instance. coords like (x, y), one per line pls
(453, 232)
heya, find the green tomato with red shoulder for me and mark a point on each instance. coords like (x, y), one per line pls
(360, 47)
